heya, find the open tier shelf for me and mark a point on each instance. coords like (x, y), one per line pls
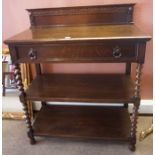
(97, 88)
(108, 123)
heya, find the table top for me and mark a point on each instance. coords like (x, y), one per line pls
(74, 33)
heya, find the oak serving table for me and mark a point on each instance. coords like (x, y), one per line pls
(84, 34)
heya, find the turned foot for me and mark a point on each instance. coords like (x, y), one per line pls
(132, 143)
(132, 147)
(32, 139)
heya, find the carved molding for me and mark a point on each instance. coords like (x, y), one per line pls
(78, 11)
(124, 10)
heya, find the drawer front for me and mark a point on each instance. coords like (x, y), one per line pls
(115, 52)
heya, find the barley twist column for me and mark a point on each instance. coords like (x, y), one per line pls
(22, 97)
(134, 116)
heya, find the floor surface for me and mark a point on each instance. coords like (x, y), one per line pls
(15, 142)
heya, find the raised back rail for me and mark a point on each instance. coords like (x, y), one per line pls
(82, 15)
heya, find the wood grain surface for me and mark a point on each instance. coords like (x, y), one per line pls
(109, 88)
(108, 123)
(76, 33)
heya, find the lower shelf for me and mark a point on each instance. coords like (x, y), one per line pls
(109, 123)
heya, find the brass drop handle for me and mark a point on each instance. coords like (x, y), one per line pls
(32, 54)
(117, 52)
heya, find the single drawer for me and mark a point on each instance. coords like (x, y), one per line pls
(77, 52)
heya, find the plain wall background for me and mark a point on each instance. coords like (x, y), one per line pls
(15, 19)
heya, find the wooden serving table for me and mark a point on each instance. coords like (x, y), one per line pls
(97, 34)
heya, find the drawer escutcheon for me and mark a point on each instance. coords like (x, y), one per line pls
(32, 54)
(117, 52)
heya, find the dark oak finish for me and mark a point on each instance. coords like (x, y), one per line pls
(97, 34)
(82, 88)
(83, 122)
(85, 15)
(87, 44)
(128, 68)
(38, 69)
(109, 51)
(22, 98)
(135, 108)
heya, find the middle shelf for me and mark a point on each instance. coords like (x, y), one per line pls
(98, 88)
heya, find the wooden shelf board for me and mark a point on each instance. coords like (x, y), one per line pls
(98, 88)
(108, 123)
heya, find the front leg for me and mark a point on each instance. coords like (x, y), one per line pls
(135, 108)
(134, 118)
(22, 97)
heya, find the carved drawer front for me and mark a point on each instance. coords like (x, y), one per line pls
(84, 52)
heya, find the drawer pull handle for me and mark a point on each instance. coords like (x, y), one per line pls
(117, 52)
(32, 54)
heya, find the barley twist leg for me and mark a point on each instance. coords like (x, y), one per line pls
(134, 116)
(22, 97)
